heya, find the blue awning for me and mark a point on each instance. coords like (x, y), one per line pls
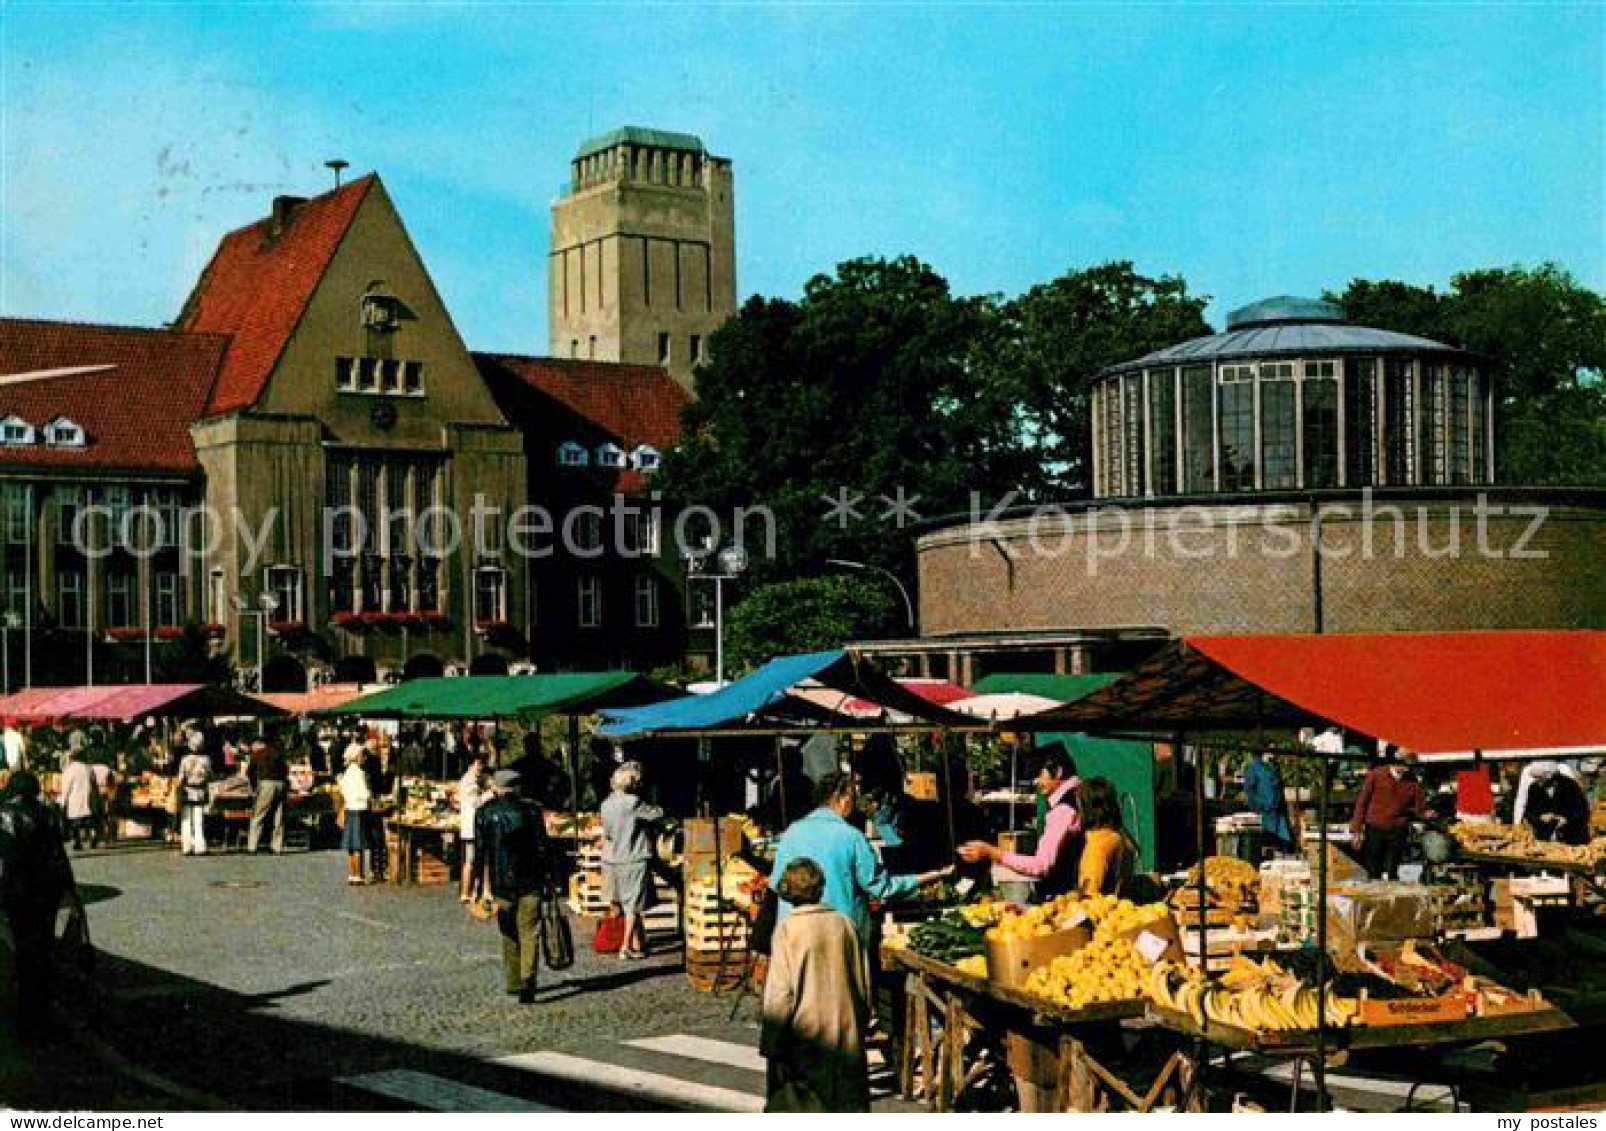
(736, 703)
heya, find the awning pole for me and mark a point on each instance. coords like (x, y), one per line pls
(574, 776)
(780, 786)
(1320, 1067)
(1202, 1060)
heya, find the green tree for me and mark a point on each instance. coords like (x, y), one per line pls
(808, 615)
(1049, 344)
(1545, 337)
(868, 385)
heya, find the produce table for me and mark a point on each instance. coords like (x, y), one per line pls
(412, 839)
(1592, 875)
(948, 1011)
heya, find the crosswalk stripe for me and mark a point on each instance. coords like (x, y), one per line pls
(669, 1090)
(727, 1053)
(437, 1093)
(705, 1049)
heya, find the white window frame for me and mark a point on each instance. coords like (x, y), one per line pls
(646, 458)
(64, 433)
(15, 431)
(647, 607)
(500, 591)
(573, 454)
(286, 583)
(612, 456)
(71, 582)
(169, 594)
(16, 502)
(121, 587)
(588, 598)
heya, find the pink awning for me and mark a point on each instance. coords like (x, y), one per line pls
(128, 702)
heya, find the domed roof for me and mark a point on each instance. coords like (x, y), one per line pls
(1286, 326)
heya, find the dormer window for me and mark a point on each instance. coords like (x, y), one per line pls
(612, 456)
(63, 433)
(571, 454)
(15, 430)
(646, 458)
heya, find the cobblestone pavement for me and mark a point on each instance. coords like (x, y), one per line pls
(267, 981)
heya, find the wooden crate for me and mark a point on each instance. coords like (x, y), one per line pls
(707, 971)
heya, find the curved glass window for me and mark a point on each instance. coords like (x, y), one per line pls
(1278, 448)
(1198, 431)
(1162, 431)
(1459, 426)
(1237, 393)
(1319, 401)
(1399, 406)
(1432, 420)
(1132, 421)
(1360, 421)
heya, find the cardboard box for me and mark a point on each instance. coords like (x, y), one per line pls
(1011, 962)
(1413, 1010)
(1378, 911)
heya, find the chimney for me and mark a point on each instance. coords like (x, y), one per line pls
(284, 208)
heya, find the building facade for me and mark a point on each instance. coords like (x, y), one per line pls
(311, 470)
(1293, 474)
(642, 267)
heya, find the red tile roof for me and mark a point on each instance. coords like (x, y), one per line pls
(258, 284)
(137, 395)
(632, 404)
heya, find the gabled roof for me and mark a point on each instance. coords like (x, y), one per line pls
(630, 404)
(258, 284)
(134, 392)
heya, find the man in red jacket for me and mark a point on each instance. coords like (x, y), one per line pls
(1381, 824)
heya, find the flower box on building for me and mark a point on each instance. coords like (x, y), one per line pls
(287, 628)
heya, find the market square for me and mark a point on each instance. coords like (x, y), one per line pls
(771, 597)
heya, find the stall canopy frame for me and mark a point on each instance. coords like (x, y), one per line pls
(738, 707)
(527, 697)
(130, 702)
(1449, 695)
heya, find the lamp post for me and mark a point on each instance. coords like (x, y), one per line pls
(908, 605)
(728, 564)
(269, 603)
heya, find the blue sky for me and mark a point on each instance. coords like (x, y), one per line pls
(1254, 149)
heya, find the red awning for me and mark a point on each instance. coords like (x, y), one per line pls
(1502, 693)
(127, 702)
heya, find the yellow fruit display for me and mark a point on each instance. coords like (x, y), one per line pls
(985, 911)
(975, 965)
(1104, 970)
(1261, 996)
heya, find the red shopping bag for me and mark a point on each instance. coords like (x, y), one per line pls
(610, 936)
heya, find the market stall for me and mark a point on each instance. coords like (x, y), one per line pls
(421, 831)
(1229, 693)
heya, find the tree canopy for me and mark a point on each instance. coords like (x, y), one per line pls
(809, 615)
(1545, 337)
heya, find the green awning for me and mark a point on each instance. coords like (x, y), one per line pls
(503, 696)
(1060, 688)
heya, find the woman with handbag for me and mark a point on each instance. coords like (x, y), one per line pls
(629, 824)
(194, 788)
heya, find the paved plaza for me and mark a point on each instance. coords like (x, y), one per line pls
(266, 983)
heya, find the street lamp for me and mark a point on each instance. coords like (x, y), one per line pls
(908, 605)
(269, 603)
(728, 564)
(11, 621)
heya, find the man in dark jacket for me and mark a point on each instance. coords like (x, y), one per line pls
(271, 773)
(1557, 808)
(510, 836)
(35, 878)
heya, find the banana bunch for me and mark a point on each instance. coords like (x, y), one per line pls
(975, 965)
(1258, 996)
(1110, 969)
